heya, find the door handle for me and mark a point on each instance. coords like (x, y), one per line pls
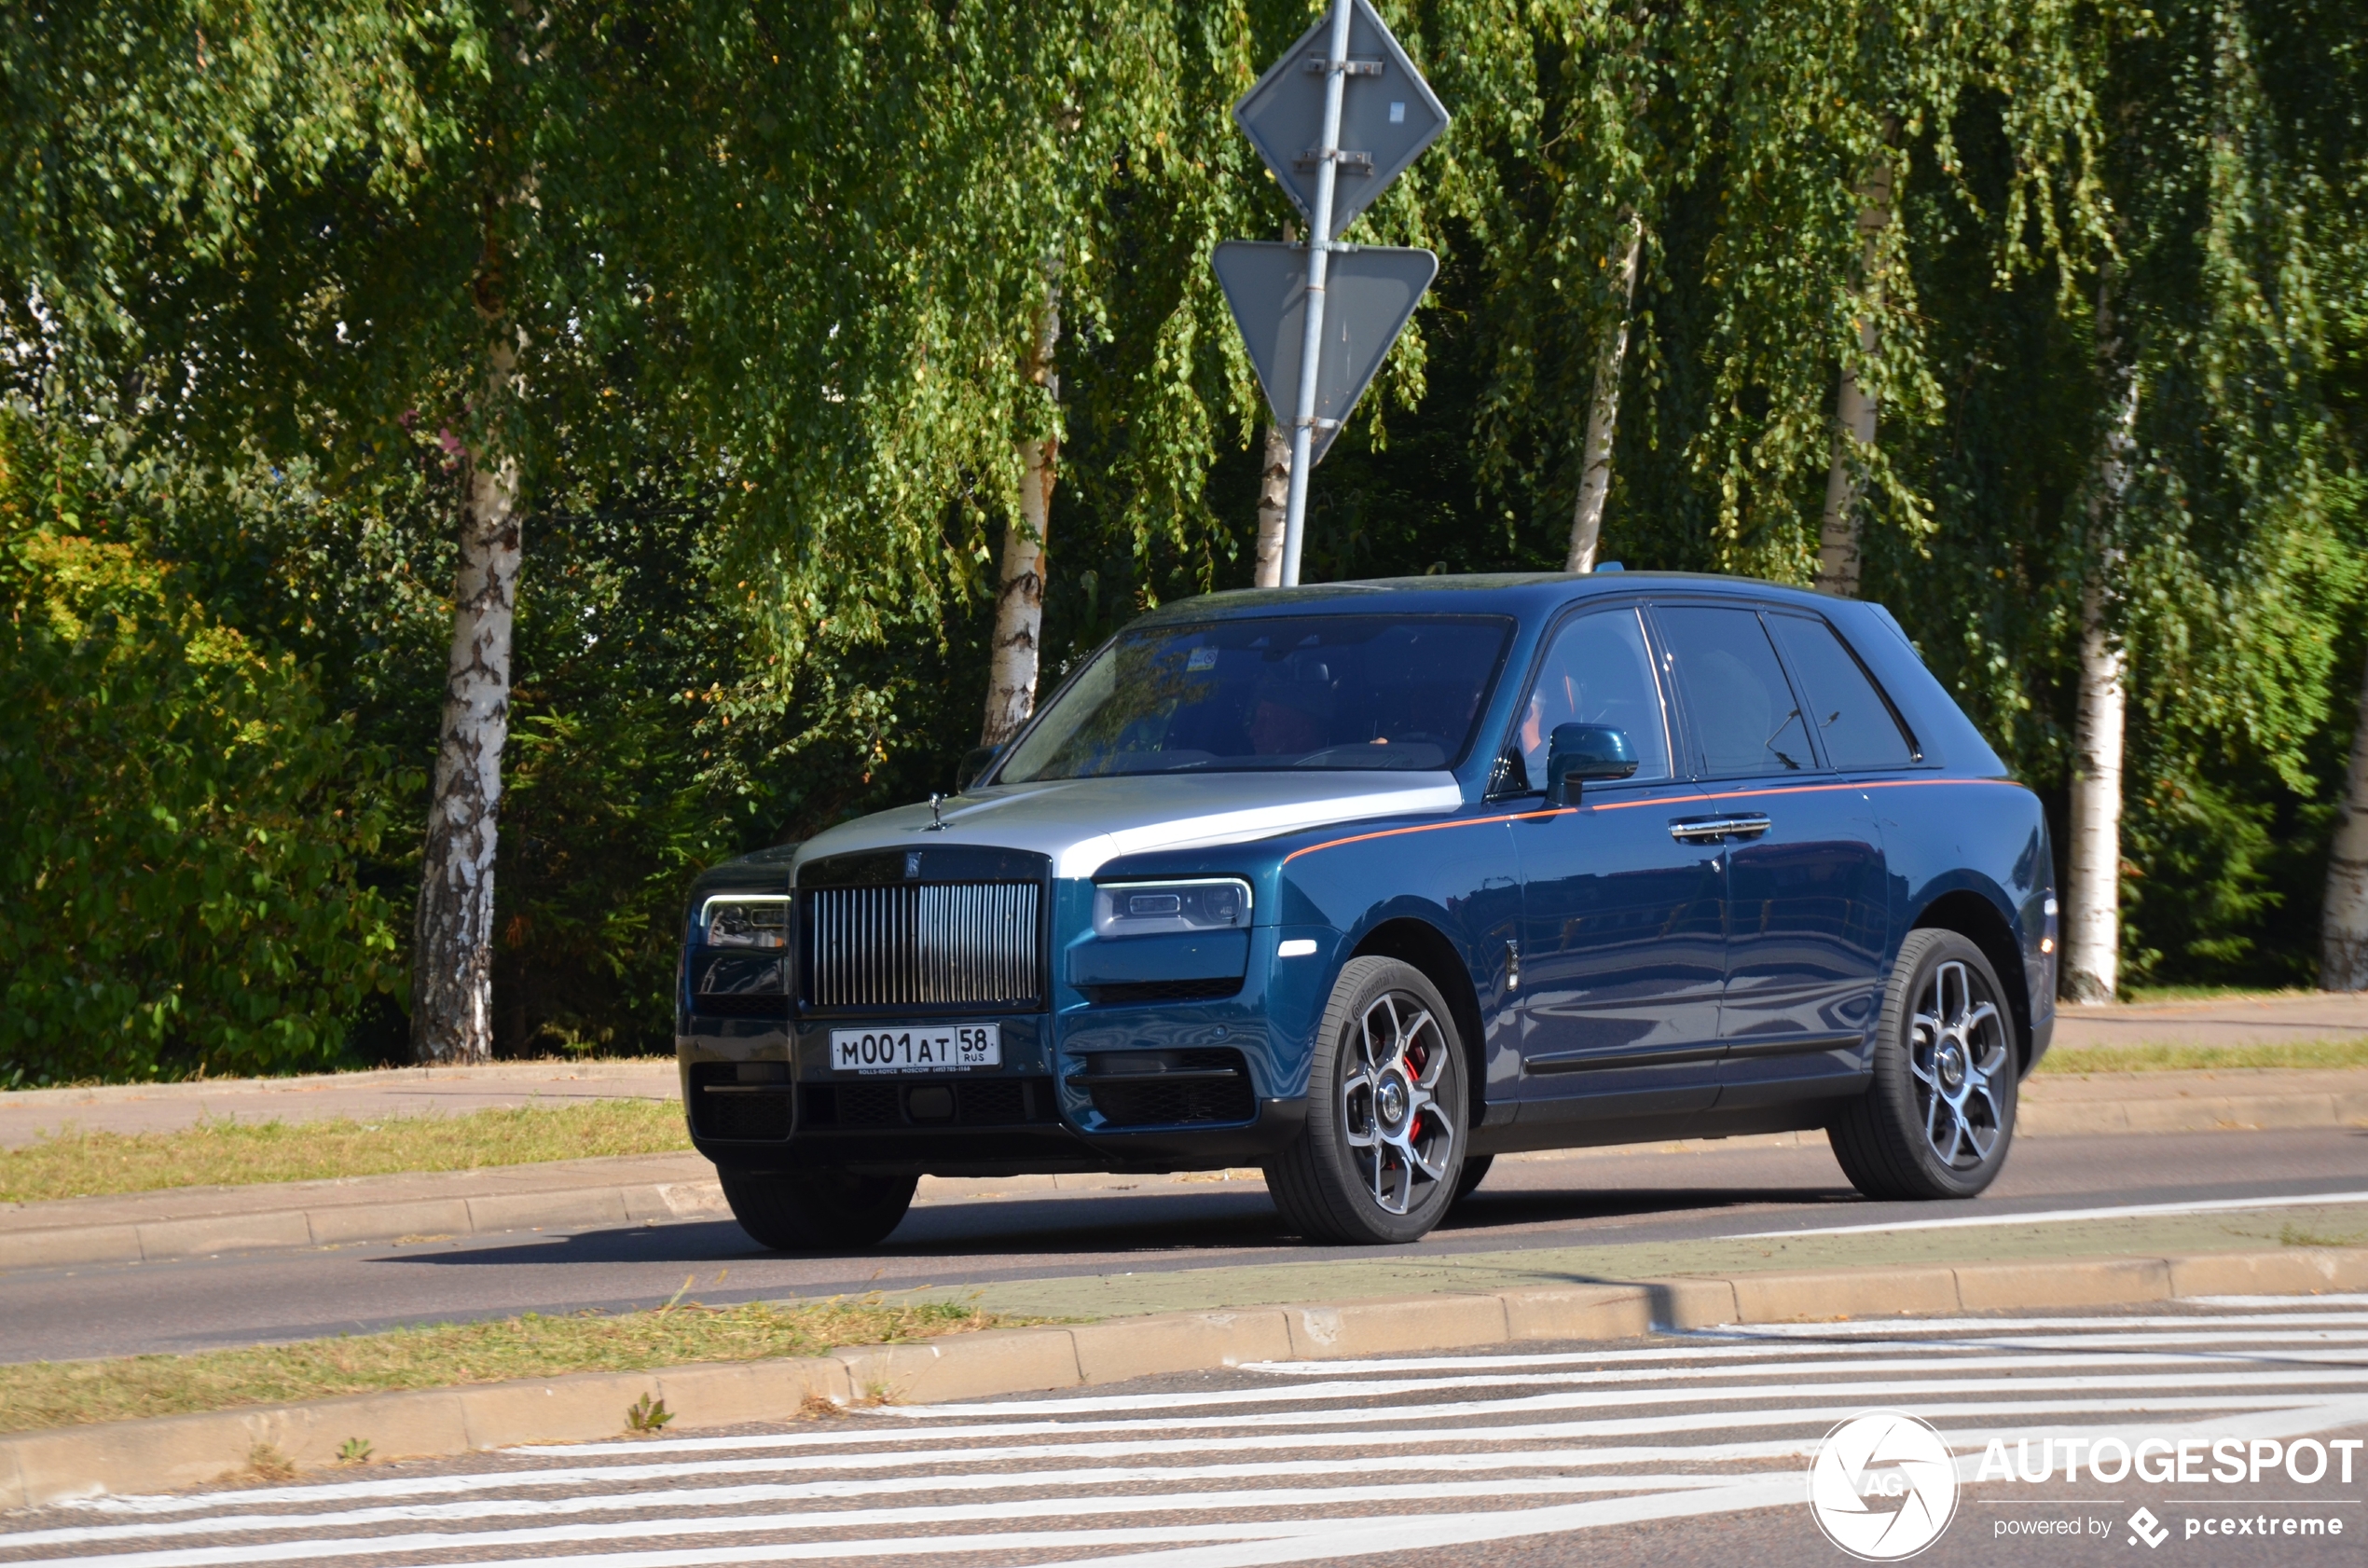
(1710, 830)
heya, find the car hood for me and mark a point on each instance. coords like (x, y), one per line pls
(1082, 822)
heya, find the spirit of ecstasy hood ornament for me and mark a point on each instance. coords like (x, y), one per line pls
(937, 820)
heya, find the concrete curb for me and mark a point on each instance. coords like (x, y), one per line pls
(2192, 1113)
(176, 1452)
(345, 1224)
(364, 1221)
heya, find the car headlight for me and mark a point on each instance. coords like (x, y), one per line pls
(745, 920)
(1138, 908)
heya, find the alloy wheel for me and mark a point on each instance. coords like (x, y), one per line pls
(1400, 1138)
(1957, 1051)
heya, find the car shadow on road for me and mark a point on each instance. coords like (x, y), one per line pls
(1531, 1206)
(1206, 1227)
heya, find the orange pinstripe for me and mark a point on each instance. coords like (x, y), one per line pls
(1650, 799)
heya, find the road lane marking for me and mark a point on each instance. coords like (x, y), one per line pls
(1969, 1359)
(283, 1551)
(1818, 1417)
(747, 1497)
(1624, 1391)
(2058, 1217)
(1904, 1347)
(857, 1518)
(1639, 1445)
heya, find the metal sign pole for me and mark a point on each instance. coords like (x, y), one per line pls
(1319, 252)
(1298, 125)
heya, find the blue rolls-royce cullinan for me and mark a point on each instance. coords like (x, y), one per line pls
(1369, 883)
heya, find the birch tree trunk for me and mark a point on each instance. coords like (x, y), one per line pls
(1019, 606)
(1838, 539)
(1275, 487)
(1273, 505)
(2343, 921)
(452, 934)
(1603, 414)
(2092, 892)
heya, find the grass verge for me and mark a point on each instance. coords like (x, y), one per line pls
(47, 1394)
(2203, 1058)
(79, 1165)
(2147, 996)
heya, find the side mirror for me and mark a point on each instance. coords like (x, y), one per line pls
(977, 760)
(1583, 753)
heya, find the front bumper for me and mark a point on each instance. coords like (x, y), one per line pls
(764, 1097)
(1058, 1102)
(1043, 1147)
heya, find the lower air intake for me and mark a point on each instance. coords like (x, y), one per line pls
(1169, 1088)
(949, 1102)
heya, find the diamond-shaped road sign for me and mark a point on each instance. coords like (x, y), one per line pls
(1388, 115)
(1372, 290)
(1337, 119)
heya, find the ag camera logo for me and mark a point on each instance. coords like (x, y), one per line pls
(1883, 1486)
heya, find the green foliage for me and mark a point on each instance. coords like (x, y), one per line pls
(184, 828)
(1748, 140)
(773, 273)
(2246, 575)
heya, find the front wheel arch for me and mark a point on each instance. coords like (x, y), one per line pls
(1339, 1180)
(1425, 947)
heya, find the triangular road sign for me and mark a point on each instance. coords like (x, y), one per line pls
(1388, 115)
(1369, 293)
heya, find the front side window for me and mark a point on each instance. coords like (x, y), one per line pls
(1851, 717)
(1305, 691)
(1599, 671)
(1745, 720)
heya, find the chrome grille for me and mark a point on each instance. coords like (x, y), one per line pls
(929, 943)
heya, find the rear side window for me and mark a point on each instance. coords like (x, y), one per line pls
(1745, 720)
(1850, 715)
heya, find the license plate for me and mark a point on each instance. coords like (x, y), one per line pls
(922, 1049)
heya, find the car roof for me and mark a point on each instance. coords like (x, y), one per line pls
(1520, 594)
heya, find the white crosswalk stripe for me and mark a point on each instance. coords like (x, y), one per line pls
(1284, 1462)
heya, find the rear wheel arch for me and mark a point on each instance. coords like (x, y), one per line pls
(1979, 920)
(1423, 945)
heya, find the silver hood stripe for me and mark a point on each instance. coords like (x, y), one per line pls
(1083, 824)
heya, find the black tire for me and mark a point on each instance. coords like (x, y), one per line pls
(1383, 1150)
(816, 1211)
(1939, 1118)
(1475, 1172)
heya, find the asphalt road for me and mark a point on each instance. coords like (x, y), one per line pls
(1643, 1196)
(1693, 1449)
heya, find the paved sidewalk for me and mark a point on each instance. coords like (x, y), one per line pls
(160, 1108)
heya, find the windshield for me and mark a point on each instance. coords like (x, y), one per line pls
(1286, 692)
